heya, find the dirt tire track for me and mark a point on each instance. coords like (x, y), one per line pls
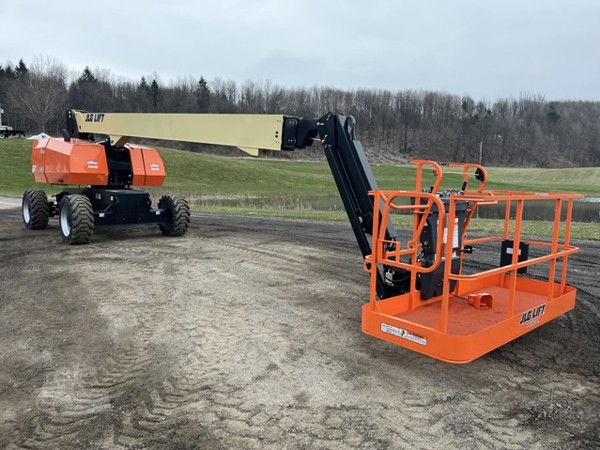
(246, 334)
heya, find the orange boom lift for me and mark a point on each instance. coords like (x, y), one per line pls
(421, 296)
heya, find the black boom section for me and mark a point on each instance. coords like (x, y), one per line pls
(353, 176)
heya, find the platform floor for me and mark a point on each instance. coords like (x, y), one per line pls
(464, 319)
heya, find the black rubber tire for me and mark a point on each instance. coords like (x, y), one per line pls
(35, 210)
(76, 219)
(177, 213)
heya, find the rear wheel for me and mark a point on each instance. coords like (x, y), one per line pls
(76, 219)
(177, 213)
(35, 210)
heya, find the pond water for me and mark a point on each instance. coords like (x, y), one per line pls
(585, 210)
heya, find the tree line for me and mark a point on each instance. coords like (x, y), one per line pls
(526, 131)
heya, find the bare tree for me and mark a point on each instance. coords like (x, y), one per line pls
(528, 130)
(41, 94)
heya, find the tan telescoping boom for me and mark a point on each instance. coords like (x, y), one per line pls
(249, 132)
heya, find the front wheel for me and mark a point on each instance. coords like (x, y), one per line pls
(177, 214)
(35, 210)
(76, 219)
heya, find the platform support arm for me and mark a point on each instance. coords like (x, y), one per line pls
(354, 179)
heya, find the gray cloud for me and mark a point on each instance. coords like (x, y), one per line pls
(481, 48)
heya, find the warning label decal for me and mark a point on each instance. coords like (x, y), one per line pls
(402, 333)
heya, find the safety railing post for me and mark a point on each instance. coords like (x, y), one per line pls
(566, 243)
(375, 253)
(506, 219)
(515, 258)
(418, 188)
(506, 231)
(448, 250)
(554, 248)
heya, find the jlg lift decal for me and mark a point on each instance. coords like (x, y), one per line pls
(94, 117)
(532, 316)
(404, 334)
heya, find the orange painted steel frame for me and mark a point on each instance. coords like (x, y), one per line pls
(448, 327)
(82, 162)
(146, 165)
(76, 162)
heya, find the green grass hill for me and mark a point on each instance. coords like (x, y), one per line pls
(287, 188)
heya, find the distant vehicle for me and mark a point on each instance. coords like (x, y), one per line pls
(6, 131)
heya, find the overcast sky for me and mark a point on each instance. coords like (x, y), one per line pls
(486, 49)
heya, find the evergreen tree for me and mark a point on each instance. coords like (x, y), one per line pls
(87, 76)
(143, 86)
(21, 69)
(9, 73)
(202, 94)
(154, 93)
(553, 115)
(143, 96)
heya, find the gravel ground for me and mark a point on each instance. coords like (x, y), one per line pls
(246, 334)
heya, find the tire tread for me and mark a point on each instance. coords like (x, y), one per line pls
(39, 209)
(82, 219)
(179, 209)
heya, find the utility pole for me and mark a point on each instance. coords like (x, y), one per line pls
(480, 152)
(1, 112)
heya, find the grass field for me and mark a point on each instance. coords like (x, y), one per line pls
(298, 189)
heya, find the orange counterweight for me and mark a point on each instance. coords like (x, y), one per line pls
(57, 161)
(81, 162)
(147, 166)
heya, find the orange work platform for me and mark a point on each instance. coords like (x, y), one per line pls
(472, 314)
